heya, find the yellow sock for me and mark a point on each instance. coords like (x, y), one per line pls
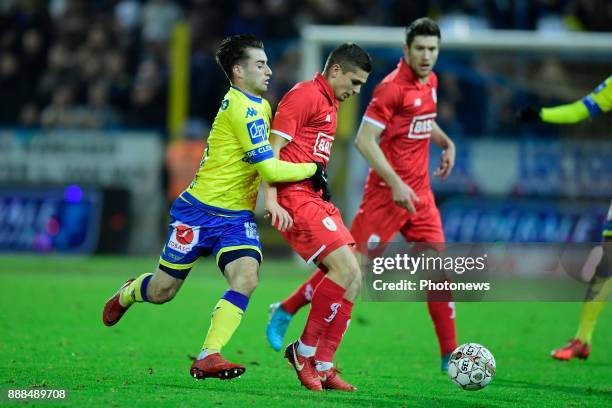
(135, 290)
(225, 320)
(591, 311)
(588, 320)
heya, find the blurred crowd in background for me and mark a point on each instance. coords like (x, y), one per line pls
(103, 64)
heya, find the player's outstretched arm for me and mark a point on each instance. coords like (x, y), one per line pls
(367, 145)
(598, 101)
(561, 115)
(447, 160)
(273, 170)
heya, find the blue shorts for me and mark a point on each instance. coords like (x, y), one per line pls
(197, 229)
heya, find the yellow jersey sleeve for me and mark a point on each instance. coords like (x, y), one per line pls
(254, 141)
(600, 100)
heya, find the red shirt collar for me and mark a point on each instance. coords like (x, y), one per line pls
(409, 76)
(325, 88)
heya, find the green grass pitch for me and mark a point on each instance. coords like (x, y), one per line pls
(51, 335)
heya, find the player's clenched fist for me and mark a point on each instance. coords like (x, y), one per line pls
(319, 182)
(528, 114)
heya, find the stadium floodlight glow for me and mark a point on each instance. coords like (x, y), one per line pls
(315, 37)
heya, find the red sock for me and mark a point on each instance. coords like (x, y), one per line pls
(329, 342)
(443, 317)
(303, 295)
(326, 301)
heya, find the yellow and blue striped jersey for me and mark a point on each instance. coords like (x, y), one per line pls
(238, 139)
(600, 100)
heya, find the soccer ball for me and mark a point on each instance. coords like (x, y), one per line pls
(471, 366)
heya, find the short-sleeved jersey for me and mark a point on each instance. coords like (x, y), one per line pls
(405, 109)
(600, 100)
(239, 138)
(307, 117)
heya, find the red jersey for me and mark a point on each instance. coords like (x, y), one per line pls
(307, 117)
(406, 109)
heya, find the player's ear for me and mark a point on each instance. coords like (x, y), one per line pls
(238, 71)
(336, 70)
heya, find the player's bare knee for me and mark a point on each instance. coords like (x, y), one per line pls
(243, 275)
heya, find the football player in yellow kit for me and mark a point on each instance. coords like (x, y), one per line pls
(597, 102)
(214, 215)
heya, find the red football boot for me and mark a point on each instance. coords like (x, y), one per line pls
(304, 368)
(215, 366)
(330, 380)
(113, 311)
(575, 348)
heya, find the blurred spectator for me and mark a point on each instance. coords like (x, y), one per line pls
(97, 113)
(61, 112)
(10, 86)
(104, 63)
(247, 19)
(158, 18)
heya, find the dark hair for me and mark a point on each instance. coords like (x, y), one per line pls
(349, 56)
(232, 51)
(422, 26)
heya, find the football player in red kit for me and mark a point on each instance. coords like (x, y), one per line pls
(398, 195)
(304, 128)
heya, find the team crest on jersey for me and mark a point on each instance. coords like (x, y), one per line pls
(434, 95)
(257, 131)
(418, 102)
(329, 224)
(323, 145)
(183, 238)
(421, 126)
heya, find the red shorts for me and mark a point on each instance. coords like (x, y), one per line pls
(379, 220)
(317, 229)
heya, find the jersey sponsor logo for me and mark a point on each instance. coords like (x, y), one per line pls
(334, 310)
(250, 230)
(183, 238)
(329, 224)
(224, 104)
(257, 131)
(421, 126)
(323, 145)
(259, 154)
(250, 112)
